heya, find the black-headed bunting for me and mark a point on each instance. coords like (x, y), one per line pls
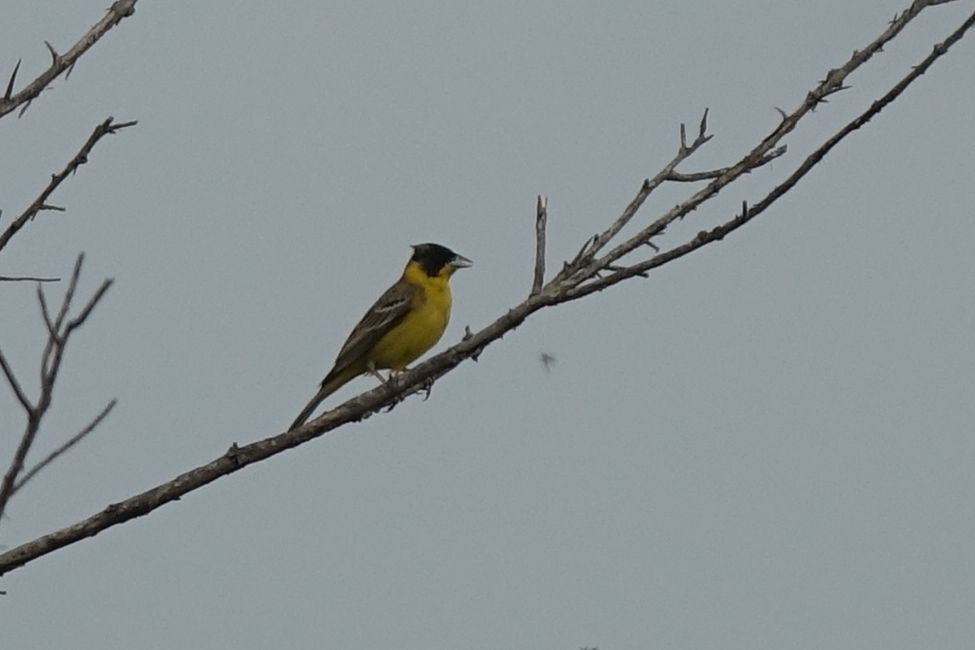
(406, 321)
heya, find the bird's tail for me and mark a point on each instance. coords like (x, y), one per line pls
(330, 384)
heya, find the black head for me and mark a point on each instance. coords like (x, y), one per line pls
(436, 259)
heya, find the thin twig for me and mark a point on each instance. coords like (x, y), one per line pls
(14, 384)
(69, 293)
(107, 127)
(684, 152)
(96, 297)
(59, 331)
(119, 10)
(750, 212)
(541, 217)
(832, 83)
(74, 440)
(694, 177)
(26, 278)
(46, 314)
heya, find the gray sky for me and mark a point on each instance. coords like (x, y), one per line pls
(767, 445)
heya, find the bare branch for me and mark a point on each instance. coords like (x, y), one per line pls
(541, 216)
(78, 320)
(237, 457)
(119, 10)
(649, 185)
(14, 384)
(17, 462)
(107, 127)
(26, 278)
(59, 331)
(69, 293)
(694, 177)
(60, 451)
(833, 81)
(749, 213)
(46, 314)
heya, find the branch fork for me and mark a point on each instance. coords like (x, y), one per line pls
(59, 331)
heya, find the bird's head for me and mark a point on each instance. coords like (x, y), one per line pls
(437, 260)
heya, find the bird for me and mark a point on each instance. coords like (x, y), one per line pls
(406, 321)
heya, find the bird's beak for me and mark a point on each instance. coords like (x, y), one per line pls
(459, 262)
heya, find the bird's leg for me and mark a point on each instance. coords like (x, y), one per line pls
(371, 369)
(426, 386)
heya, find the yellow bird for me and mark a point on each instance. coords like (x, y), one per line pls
(406, 321)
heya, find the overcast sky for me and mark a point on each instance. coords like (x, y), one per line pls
(769, 444)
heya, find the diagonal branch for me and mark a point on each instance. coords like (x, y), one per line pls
(107, 127)
(60, 451)
(749, 213)
(573, 281)
(586, 267)
(14, 384)
(60, 63)
(695, 177)
(684, 152)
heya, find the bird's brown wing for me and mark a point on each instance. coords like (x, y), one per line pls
(383, 316)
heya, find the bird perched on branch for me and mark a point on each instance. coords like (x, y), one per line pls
(406, 321)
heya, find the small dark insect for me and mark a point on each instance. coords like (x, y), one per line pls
(548, 360)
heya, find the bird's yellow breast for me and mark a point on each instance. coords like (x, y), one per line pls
(422, 326)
